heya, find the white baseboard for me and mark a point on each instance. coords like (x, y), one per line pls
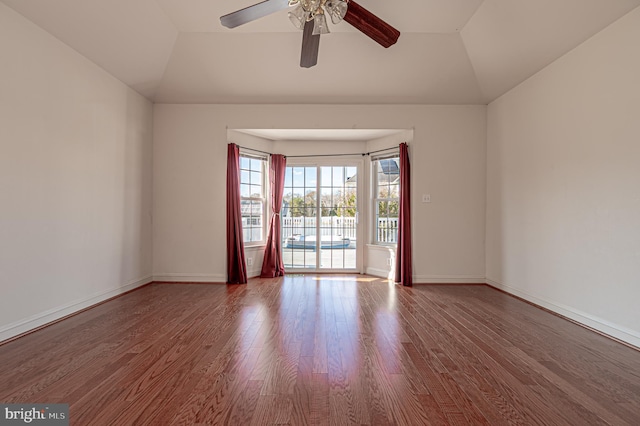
(377, 272)
(622, 333)
(253, 273)
(38, 320)
(190, 278)
(448, 279)
(429, 279)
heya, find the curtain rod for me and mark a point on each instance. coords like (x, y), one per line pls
(382, 150)
(255, 150)
(326, 155)
(323, 155)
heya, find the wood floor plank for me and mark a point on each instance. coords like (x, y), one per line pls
(326, 349)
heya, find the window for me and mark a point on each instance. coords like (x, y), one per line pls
(252, 197)
(386, 191)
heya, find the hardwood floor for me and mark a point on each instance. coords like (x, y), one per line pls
(323, 350)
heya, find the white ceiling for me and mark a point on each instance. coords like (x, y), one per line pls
(450, 51)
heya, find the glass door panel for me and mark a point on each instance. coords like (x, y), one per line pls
(319, 218)
(338, 221)
(299, 218)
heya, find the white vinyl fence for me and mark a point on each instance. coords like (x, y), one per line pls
(387, 229)
(329, 225)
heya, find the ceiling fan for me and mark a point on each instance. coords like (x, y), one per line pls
(309, 16)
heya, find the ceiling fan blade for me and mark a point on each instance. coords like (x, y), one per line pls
(371, 25)
(252, 13)
(310, 46)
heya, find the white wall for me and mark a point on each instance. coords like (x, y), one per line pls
(448, 161)
(75, 180)
(563, 191)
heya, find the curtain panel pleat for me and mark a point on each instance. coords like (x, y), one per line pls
(273, 265)
(403, 255)
(236, 266)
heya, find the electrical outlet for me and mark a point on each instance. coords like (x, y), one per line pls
(249, 261)
(426, 198)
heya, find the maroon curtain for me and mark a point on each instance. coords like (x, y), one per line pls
(272, 265)
(403, 253)
(236, 267)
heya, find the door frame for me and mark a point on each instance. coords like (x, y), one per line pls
(361, 215)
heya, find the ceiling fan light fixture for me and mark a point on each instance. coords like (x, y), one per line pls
(298, 17)
(336, 10)
(320, 24)
(315, 10)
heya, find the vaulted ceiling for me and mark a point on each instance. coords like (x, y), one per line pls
(450, 51)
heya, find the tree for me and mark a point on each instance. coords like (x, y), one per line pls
(348, 203)
(388, 206)
(303, 206)
(342, 204)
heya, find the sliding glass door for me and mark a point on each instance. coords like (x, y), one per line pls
(320, 218)
(298, 215)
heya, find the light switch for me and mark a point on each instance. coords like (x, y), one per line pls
(426, 198)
